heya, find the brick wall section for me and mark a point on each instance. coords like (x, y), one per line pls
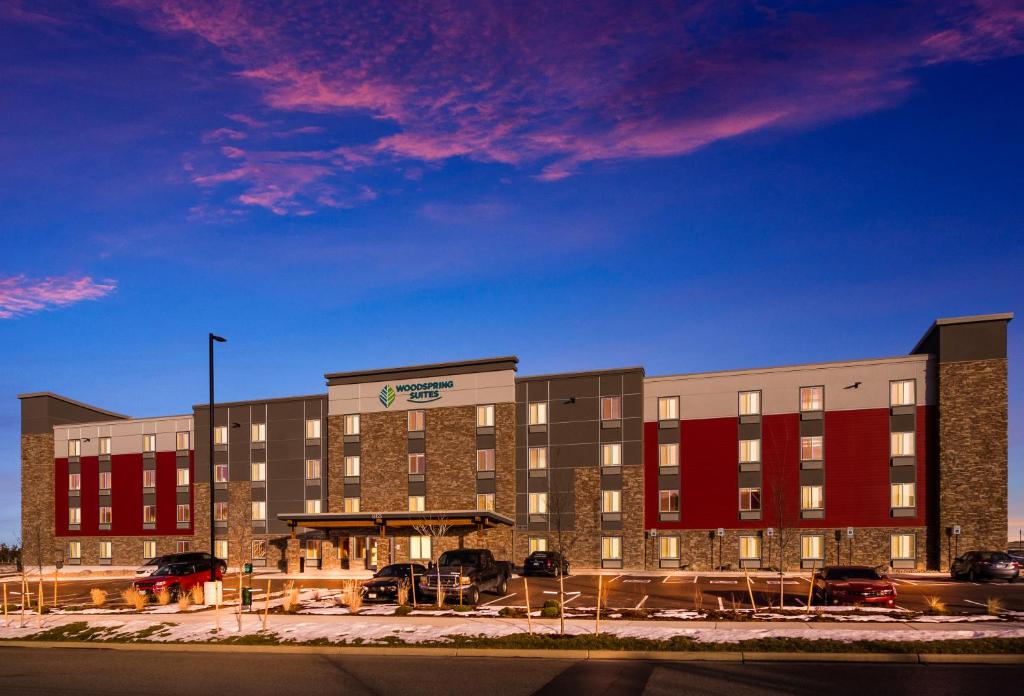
(335, 464)
(632, 517)
(384, 461)
(972, 455)
(201, 516)
(37, 490)
(239, 522)
(451, 458)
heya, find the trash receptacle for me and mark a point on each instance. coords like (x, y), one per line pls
(246, 596)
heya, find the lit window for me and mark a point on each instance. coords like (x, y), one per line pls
(313, 506)
(258, 432)
(220, 511)
(668, 501)
(220, 435)
(417, 503)
(902, 444)
(903, 495)
(149, 514)
(351, 504)
(611, 548)
(611, 454)
(750, 403)
(668, 408)
(811, 448)
(750, 451)
(902, 393)
(220, 473)
(812, 398)
(750, 499)
(184, 513)
(106, 550)
(538, 503)
(668, 547)
(312, 428)
(149, 443)
(352, 424)
(74, 482)
(419, 548)
(259, 549)
(750, 547)
(539, 413)
(182, 441)
(258, 471)
(417, 464)
(812, 547)
(106, 515)
(312, 549)
(417, 421)
(485, 460)
(538, 458)
(668, 455)
(902, 547)
(74, 448)
(104, 445)
(220, 549)
(611, 408)
(182, 477)
(74, 515)
(485, 416)
(611, 501)
(812, 497)
(259, 510)
(312, 469)
(75, 550)
(538, 544)
(352, 466)
(485, 501)
(182, 546)
(149, 550)
(105, 479)
(149, 478)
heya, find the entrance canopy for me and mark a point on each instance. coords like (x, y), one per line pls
(403, 523)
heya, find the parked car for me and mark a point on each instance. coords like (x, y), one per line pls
(853, 585)
(985, 565)
(472, 570)
(383, 586)
(177, 577)
(151, 567)
(545, 563)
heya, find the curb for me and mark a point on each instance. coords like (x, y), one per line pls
(553, 654)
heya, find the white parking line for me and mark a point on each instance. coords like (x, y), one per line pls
(576, 595)
(616, 578)
(498, 599)
(641, 602)
(721, 607)
(800, 601)
(636, 580)
(666, 579)
(695, 577)
(724, 582)
(971, 601)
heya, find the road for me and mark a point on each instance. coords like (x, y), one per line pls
(157, 673)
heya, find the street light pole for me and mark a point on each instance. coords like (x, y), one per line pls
(213, 544)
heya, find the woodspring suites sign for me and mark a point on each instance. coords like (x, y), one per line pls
(415, 392)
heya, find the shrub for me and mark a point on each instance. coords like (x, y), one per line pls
(290, 598)
(935, 605)
(134, 598)
(403, 591)
(99, 597)
(463, 607)
(698, 597)
(403, 610)
(197, 594)
(163, 597)
(994, 606)
(550, 604)
(514, 612)
(183, 601)
(352, 595)
(549, 612)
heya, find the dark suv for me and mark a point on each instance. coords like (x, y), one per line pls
(547, 563)
(985, 565)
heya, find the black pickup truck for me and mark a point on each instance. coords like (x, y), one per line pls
(472, 570)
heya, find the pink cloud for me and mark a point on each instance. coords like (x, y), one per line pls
(223, 134)
(21, 295)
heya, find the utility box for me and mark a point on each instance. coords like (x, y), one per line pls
(213, 593)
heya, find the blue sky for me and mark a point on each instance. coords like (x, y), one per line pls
(719, 186)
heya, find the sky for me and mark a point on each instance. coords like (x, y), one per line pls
(345, 185)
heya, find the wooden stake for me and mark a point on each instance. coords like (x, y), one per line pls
(412, 584)
(40, 599)
(526, 591)
(810, 590)
(6, 622)
(597, 619)
(266, 606)
(750, 590)
(55, 587)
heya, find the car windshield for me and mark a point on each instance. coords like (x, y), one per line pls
(852, 574)
(539, 554)
(453, 558)
(173, 569)
(392, 571)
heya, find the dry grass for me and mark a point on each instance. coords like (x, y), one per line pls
(197, 594)
(935, 604)
(352, 595)
(163, 597)
(698, 597)
(184, 600)
(604, 594)
(290, 598)
(994, 606)
(99, 597)
(134, 598)
(403, 592)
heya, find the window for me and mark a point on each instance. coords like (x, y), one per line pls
(149, 443)
(812, 547)
(149, 514)
(668, 455)
(149, 478)
(182, 477)
(106, 550)
(75, 550)
(902, 393)
(312, 469)
(259, 510)
(611, 408)
(352, 424)
(812, 398)
(668, 547)
(417, 421)
(538, 503)
(220, 511)
(750, 451)
(104, 445)
(611, 548)
(258, 432)
(539, 413)
(812, 497)
(105, 478)
(750, 499)
(750, 403)
(811, 448)
(220, 548)
(419, 548)
(351, 504)
(485, 416)
(485, 501)
(611, 501)
(417, 503)
(313, 506)
(538, 458)
(148, 549)
(74, 482)
(220, 473)
(750, 547)
(902, 547)
(668, 408)
(312, 428)
(258, 471)
(220, 435)
(184, 513)
(417, 464)
(352, 466)
(538, 544)
(485, 460)
(668, 501)
(312, 549)
(182, 546)
(74, 448)
(903, 495)
(611, 454)
(74, 515)
(902, 444)
(106, 515)
(259, 549)
(183, 441)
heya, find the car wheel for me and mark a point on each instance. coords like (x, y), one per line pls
(472, 596)
(501, 587)
(566, 571)
(175, 592)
